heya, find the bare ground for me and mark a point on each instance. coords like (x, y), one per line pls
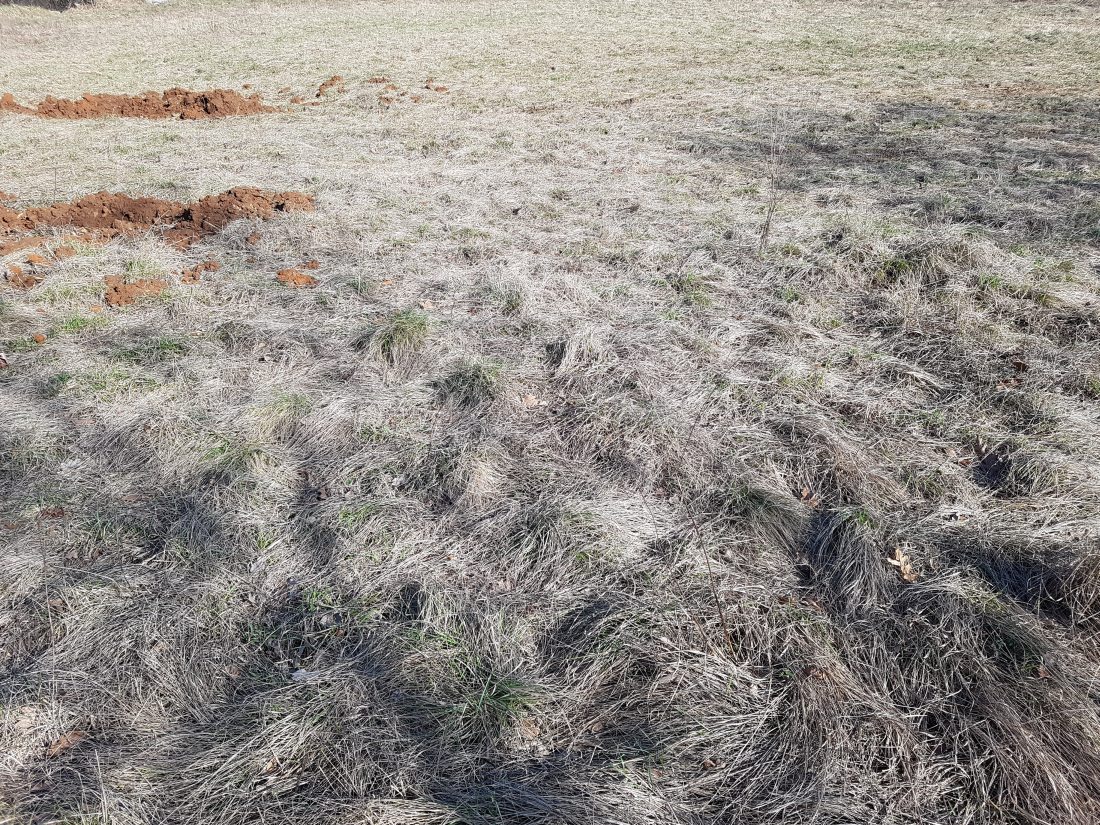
(694, 419)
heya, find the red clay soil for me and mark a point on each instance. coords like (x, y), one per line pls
(335, 82)
(295, 279)
(119, 293)
(195, 273)
(109, 215)
(181, 103)
(11, 247)
(16, 277)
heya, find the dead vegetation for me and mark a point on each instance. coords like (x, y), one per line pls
(727, 454)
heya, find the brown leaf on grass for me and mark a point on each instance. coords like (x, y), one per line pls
(67, 741)
(900, 559)
(531, 400)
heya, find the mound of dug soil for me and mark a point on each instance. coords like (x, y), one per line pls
(182, 103)
(108, 215)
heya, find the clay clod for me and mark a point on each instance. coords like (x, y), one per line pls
(195, 273)
(295, 278)
(336, 82)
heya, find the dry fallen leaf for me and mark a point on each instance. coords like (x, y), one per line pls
(66, 742)
(807, 497)
(530, 400)
(900, 559)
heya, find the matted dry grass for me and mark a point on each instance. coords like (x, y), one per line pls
(694, 419)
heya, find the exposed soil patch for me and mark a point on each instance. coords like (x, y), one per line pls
(6, 197)
(195, 273)
(121, 293)
(173, 103)
(109, 215)
(295, 279)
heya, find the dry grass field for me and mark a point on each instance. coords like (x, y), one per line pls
(679, 413)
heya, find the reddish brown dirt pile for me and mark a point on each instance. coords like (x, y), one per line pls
(16, 277)
(109, 215)
(19, 244)
(295, 278)
(5, 197)
(195, 273)
(181, 103)
(336, 82)
(391, 93)
(119, 293)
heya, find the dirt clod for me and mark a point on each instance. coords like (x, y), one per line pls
(121, 293)
(295, 278)
(182, 103)
(11, 247)
(19, 279)
(195, 273)
(336, 82)
(39, 338)
(253, 239)
(311, 265)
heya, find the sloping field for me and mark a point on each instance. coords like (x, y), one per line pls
(584, 413)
